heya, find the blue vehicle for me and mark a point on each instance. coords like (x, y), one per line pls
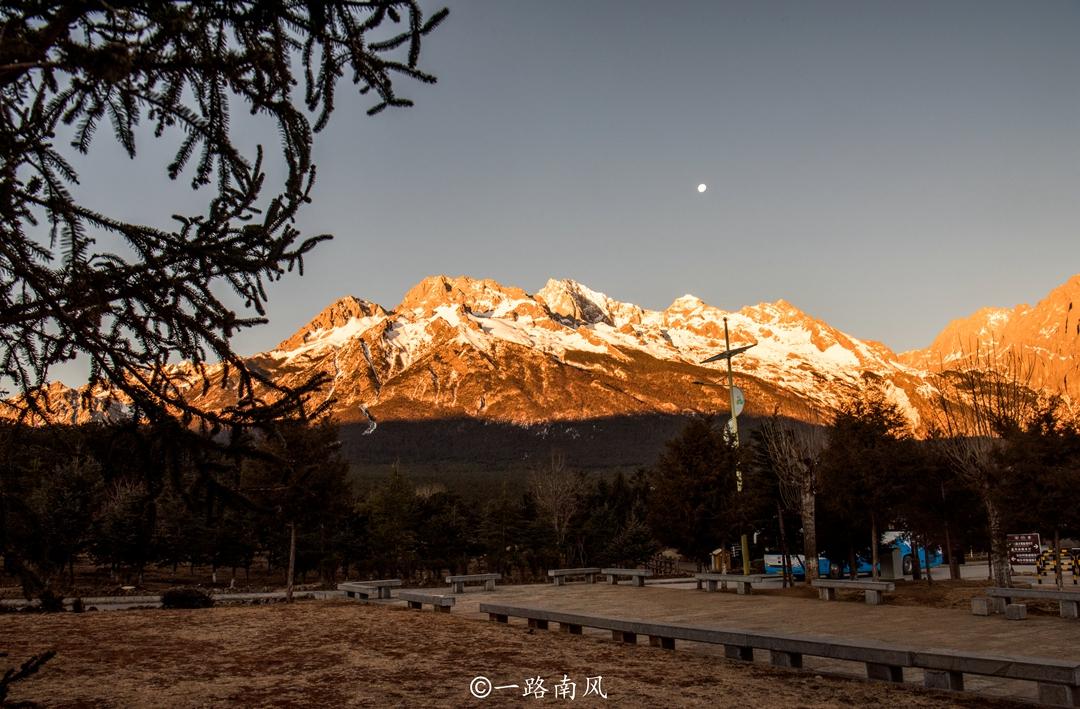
(839, 569)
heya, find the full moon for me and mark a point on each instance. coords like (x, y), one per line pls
(702, 187)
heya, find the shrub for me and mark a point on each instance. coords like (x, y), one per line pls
(51, 602)
(186, 598)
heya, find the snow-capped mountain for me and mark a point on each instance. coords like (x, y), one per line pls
(465, 347)
(462, 348)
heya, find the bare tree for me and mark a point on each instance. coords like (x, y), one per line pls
(982, 398)
(556, 491)
(794, 448)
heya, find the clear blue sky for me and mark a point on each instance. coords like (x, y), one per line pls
(885, 166)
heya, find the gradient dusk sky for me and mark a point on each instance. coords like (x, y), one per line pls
(885, 166)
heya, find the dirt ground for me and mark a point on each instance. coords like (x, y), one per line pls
(340, 653)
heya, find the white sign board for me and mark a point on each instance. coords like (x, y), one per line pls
(739, 401)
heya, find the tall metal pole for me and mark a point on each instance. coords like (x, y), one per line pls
(745, 546)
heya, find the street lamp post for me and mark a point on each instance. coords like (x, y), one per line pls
(733, 426)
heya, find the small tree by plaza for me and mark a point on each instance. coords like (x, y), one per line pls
(392, 511)
(124, 532)
(694, 505)
(65, 503)
(49, 505)
(500, 530)
(794, 449)
(865, 444)
(445, 526)
(1042, 461)
(610, 527)
(301, 485)
(557, 492)
(983, 399)
(936, 505)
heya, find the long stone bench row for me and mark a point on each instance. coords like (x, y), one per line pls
(1058, 680)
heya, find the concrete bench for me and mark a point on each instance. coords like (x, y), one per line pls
(742, 583)
(559, 576)
(367, 589)
(459, 581)
(638, 575)
(1058, 680)
(999, 600)
(417, 599)
(873, 589)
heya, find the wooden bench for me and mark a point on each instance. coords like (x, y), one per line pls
(559, 576)
(639, 575)
(1058, 680)
(459, 581)
(367, 589)
(417, 599)
(742, 583)
(873, 589)
(999, 599)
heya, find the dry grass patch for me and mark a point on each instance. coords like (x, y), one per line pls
(337, 653)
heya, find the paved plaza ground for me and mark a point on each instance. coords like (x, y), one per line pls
(914, 626)
(343, 653)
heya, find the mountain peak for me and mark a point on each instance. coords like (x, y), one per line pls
(476, 294)
(335, 315)
(686, 303)
(571, 299)
(778, 310)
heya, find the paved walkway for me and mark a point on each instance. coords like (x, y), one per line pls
(909, 626)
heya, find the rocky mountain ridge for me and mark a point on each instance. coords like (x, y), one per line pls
(1041, 341)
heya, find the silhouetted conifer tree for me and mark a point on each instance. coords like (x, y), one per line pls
(131, 298)
(181, 68)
